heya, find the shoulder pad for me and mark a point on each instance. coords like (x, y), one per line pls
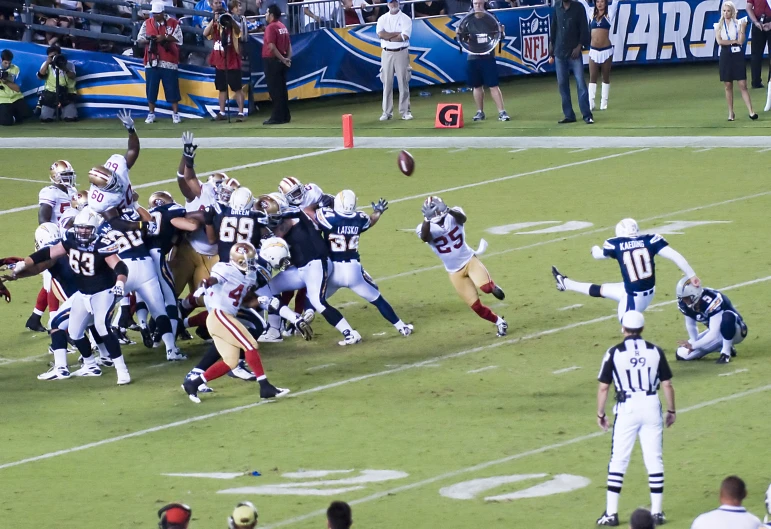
(657, 238)
(609, 245)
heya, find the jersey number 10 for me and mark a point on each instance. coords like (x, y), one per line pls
(638, 264)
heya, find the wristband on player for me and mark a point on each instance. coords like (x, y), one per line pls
(601, 416)
(672, 412)
(180, 175)
(120, 284)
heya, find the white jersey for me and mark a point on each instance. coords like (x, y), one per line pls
(56, 198)
(230, 290)
(449, 242)
(198, 239)
(312, 196)
(121, 198)
(727, 516)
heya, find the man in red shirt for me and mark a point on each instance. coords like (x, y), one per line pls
(226, 57)
(760, 15)
(276, 60)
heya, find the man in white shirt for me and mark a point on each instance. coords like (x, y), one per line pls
(730, 513)
(394, 29)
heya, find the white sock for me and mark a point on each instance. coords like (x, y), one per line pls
(400, 325)
(168, 340)
(120, 363)
(343, 326)
(142, 317)
(288, 314)
(38, 312)
(615, 482)
(263, 377)
(60, 357)
(612, 502)
(577, 286)
(274, 321)
(657, 502)
(726, 350)
(90, 361)
(605, 92)
(656, 483)
(500, 320)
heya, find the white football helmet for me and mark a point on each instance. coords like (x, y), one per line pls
(226, 190)
(46, 235)
(241, 200)
(345, 203)
(627, 228)
(105, 179)
(292, 189)
(687, 292)
(438, 216)
(275, 251)
(62, 173)
(85, 224)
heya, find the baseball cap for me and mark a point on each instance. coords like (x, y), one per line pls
(633, 320)
(157, 7)
(244, 515)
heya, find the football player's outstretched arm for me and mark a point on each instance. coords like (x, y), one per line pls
(31, 265)
(425, 231)
(119, 267)
(459, 217)
(186, 223)
(187, 180)
(379, 208)
(597, 253)
(45, 213)
(673, 255)
(712, 334)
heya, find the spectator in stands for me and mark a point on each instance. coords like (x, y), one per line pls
(319, 15)
(174, 516)
(482, 71)
(225, 58)
(6, 13)
(431, 8)
(339, 515)
(394, 29)
(276, 60)
(355, 12)
(13, 109)
(59, 89)
(568, 36)
(730, 513)
(161, 37)
(730, 34)
(641, 519)
(760, 14)
(454, 7)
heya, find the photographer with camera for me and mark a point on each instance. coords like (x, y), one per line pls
(59, 88)
(161, 35)
(12, 106)
(225, 31)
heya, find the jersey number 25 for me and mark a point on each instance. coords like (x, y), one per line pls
(446, 246)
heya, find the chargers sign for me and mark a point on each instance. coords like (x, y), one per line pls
(534, 36)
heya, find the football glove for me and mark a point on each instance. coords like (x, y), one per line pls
(4, 292)
(272, 304)
(188, 150)
(441, 207)
(5, 261)
(206, 283)
(125, 117)
(151, 228)
(429, 210)
(380, 206)
(118, 289)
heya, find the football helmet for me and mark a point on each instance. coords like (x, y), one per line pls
(439, 208)
(269, 205)
(345, 203)
(241, 200)
(105, 179)
(216, 180)
(226, 189)
(160, 198)
(627, 228)
(275, 251)
(85, 225)
(62, 173)
(244, 256)
(79, 200)
(687, 292)
(46, 235)
(292, 189)
(244, 516)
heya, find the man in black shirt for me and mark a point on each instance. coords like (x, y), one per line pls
(570, 35)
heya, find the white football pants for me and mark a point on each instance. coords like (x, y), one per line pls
(90, 308)
(639, 301)
(639, 416)
(350, 274)
(143, 280)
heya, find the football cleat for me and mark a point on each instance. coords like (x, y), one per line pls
(91, 370)
(559, 278)
(33, 324)
(147, 337)
(304, 328)
(122, 337)
(724, 359)
(287, 330)
(183, 335)
(191, 390)
(240, 371)
(309, 315)
(733, 352)
(608, 519)
(269, 391)
(659, 518)
(407, 329)
(124, 377)
(502, 327)
(498, 292)
(195, 372)
(351, 337)
(271, 335)
(175, 355)
(105, 361)
(55, 373)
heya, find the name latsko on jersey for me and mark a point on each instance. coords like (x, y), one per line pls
(342, 233)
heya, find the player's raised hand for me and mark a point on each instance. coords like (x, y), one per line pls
(188, 147)
(428, 209)
(380, 206)
(695, 281)
(125, 117)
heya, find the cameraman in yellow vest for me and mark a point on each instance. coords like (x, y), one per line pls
(59, 88)
(12, 106)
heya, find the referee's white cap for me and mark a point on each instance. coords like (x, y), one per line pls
(633, 320)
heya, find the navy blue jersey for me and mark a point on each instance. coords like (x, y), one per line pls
(130, 242)
(305, 241)
(709, 304)
(232, 227)
(342, 233)
(64, 275)
(635, 257)
(264, 272)
(87, 261)
(164, 239)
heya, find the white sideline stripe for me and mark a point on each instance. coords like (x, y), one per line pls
(577, 305)
(322, 366)
(703, 150)
(565, 370)
(224, 170)
(25, 180)
(733, 373)
(481, 369)
(398, 369)
(5, 361)
(408, 142)
(507, 459)
(582, 234)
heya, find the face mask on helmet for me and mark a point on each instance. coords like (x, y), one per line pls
(104, 179)
(293, 190)
(226, 191)
(275, 251)
(345, 203)
(79, 200)
(244, 257)
(216, 180)
(688, 293)
(62, 173)
(85, 225)
(160, 198)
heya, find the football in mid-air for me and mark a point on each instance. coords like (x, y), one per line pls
(406, 163)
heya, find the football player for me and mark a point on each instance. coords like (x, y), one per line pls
(443, 229)
(308, 197)
(100, 278)
(710, 307)
(54, 201)
(635, 254)
(235, 222)
(78, 201)
(342, 226)
(230, 285)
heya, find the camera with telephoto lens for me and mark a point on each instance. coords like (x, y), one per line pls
(226, 20)
(3, 75)
(60, 61)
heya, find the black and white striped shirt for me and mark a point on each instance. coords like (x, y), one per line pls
(634, 366)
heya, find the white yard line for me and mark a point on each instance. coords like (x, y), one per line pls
(481, 369)
(322, 366)
(569, 307)
(566, 370)
(507, 459)
(25, 180)
(733, 373)
(397, 369)
(704, 150)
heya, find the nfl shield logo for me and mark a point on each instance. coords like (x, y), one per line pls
(534, 34)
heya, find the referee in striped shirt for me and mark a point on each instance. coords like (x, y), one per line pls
(637, 369)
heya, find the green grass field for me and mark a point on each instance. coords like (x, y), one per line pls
(396, 425)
